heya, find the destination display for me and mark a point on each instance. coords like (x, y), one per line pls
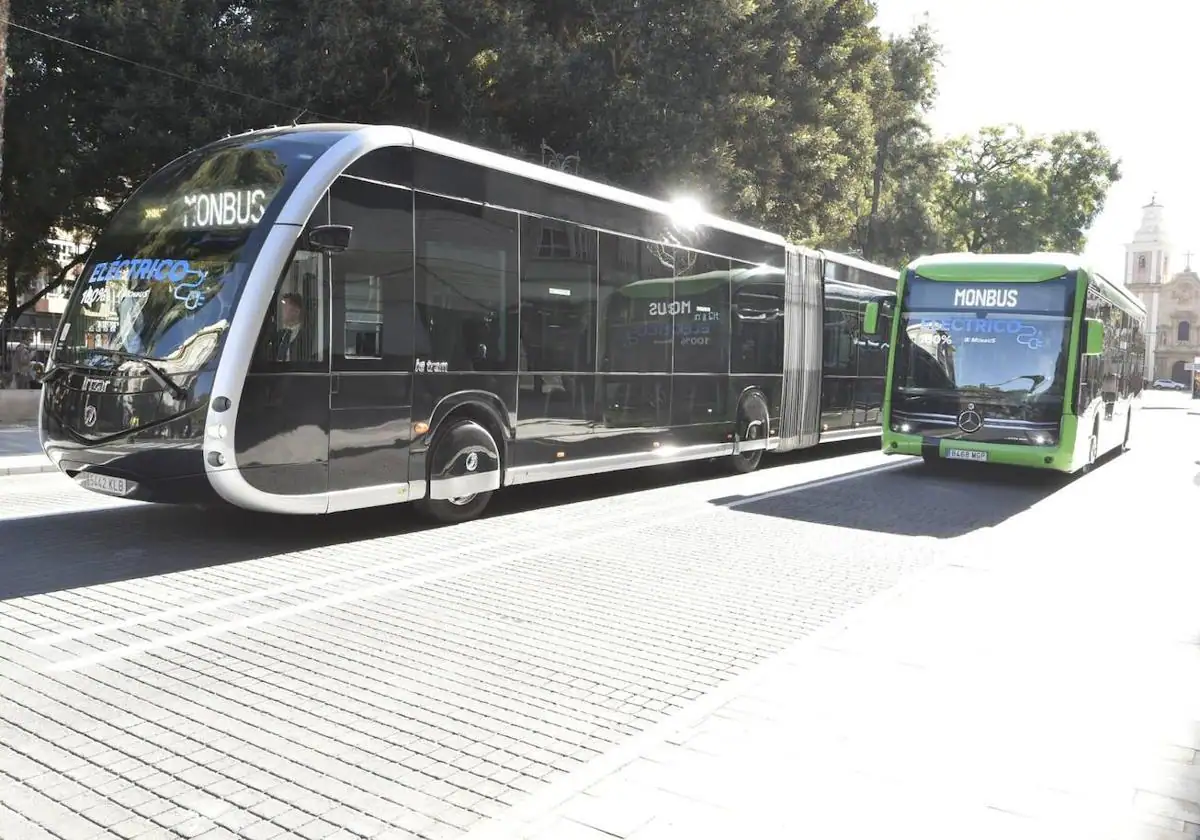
(1051, 298)
(212, 209)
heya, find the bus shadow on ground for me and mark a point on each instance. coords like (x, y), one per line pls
(62, 551)
(911, 500)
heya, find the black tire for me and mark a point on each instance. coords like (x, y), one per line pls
(452, 511)
(753, 424)
(454, 438)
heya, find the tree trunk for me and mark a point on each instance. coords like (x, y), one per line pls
(868, 245)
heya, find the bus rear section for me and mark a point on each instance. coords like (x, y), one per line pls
(1007, 360)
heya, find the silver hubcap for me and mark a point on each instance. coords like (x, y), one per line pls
(462, 500)
(752, 434)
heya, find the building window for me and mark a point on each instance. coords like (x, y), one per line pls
(1184, 332)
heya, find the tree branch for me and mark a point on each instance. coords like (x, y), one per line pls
(15, 310)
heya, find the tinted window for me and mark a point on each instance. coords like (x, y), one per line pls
(757, 320)
(636, 299)
(843, 325)
(373, 278)
(165, 274)
(467, 286)
(295, 335)
(558, 296)
(702, 316)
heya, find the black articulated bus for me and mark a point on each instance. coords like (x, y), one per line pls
(327, 317)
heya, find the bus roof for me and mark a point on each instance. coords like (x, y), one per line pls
(855, 262)
(375, 136)
(1029, 267)
(964, 266)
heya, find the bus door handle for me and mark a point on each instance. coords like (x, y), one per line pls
(335, 381)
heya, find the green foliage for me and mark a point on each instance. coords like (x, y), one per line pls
(794, 115)
(1006, 191)
(893, 222)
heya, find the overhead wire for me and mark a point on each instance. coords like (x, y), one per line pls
(298, 111)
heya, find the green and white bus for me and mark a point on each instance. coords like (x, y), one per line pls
(1031, 360)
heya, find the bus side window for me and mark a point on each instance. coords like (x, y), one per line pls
(294, 333)
(467, 285)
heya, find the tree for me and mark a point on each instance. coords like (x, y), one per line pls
(759, 110)
(81, 130)
(1005, 191)
(896, 223)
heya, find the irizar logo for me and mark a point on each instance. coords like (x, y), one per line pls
(986, 298)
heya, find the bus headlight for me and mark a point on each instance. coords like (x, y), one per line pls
(218, 431)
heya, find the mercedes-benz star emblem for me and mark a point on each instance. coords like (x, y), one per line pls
(89, 416)
(472, 461)
(970, 421)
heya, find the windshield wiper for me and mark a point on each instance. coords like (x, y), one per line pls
(154, 370)
(1035, 378)
(162, 379)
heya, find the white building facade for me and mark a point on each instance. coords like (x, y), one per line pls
(1172, 302)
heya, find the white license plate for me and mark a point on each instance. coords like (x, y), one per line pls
(966, 454)
(104, 484)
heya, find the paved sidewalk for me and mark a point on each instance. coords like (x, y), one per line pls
(1043, 689)
(21, 452)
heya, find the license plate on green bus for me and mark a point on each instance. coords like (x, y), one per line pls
(966, 454)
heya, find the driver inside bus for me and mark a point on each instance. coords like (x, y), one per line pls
(291, 320)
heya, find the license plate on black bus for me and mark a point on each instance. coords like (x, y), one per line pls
(966, 454)
(111, 485)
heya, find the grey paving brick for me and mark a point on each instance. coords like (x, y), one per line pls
(317, 830)
(449, 700)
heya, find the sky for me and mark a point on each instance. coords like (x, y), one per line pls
(1123, 71)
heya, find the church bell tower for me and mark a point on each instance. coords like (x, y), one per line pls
(1147, 269)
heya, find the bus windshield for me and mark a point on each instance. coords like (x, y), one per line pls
(170, 265)
(1008, 341)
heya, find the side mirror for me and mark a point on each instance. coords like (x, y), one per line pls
(871, 318)
(330, 239)
(1093, 337)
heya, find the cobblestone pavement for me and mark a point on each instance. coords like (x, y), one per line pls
(1039, 681)
(171, 673)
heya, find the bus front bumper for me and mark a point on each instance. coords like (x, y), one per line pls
(1052, 457)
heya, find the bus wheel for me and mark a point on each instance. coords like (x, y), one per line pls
(753, 420)
(464, 472)
(1093, 448)
(451, 511)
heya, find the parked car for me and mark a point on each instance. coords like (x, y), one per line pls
(1169, 385)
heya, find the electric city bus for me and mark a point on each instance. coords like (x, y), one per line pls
(321, 318)
(1030, 360)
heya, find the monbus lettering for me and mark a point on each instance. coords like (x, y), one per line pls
(986, 298)
(227, 208)
(670, 307)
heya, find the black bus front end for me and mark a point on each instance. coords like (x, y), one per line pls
(116, 430)
(126, 395)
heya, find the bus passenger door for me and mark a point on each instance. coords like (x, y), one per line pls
(371, 379)
(282, 435)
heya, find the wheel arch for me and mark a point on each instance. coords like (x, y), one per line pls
(484, 407)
